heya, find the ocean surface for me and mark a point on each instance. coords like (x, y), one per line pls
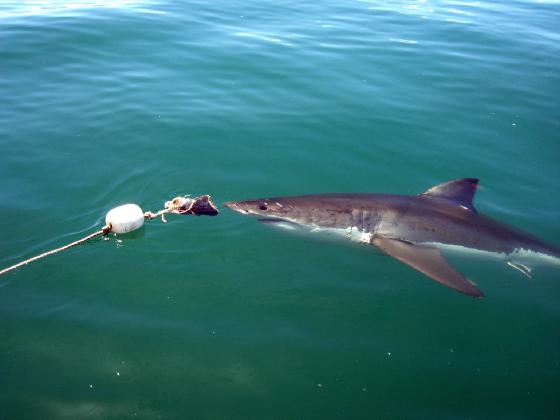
(108, 102)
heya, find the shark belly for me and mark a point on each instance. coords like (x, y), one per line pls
(524, 256)
(464, 244)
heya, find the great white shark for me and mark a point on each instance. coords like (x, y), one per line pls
(412, 229)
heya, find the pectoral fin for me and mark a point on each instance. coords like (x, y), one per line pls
(429, 261)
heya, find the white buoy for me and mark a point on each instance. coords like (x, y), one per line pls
(125, 218)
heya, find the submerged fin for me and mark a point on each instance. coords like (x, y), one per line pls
(460, 191)
(524, 269)
(429, 261)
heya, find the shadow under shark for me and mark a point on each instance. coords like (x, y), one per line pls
(412, 229)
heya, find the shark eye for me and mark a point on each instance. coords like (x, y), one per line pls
(263, 206)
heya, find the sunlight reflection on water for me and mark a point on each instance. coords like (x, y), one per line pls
(61, 7)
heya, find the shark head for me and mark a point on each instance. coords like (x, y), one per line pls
(315, 211)
(308, 211)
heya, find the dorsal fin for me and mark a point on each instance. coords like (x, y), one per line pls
(460, 191)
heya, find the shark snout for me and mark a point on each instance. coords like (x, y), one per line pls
(231, 205)
(234, 205)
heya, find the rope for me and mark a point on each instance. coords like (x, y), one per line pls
(106, 229)
(179, 205)
(172, 206)
(149, 215)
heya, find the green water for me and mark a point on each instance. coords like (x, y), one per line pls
(109, 102)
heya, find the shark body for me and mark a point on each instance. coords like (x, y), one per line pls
(412, 229)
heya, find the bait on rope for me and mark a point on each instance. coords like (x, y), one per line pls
(129, 217)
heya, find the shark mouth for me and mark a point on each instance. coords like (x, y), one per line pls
(281, 223)
(273, 220)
